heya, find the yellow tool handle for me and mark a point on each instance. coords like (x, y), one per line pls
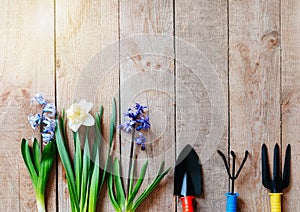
(275, 200)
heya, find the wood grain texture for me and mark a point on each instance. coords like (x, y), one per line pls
(202, 70)
(126, 49)
(254, 82)
(290, 95)
(84, 30)
(147, 77)
(26, 68)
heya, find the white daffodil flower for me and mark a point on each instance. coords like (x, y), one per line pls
(78, 114)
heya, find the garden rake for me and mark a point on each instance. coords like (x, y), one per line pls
(231, 203)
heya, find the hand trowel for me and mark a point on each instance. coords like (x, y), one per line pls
(187, 179)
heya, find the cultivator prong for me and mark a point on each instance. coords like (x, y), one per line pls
(286, 170)
(266, 179)
(276, 182)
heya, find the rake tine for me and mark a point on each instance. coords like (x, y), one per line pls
(232, 154)
(225, 162)
(266, 180)
(287, 168)
(233, 177)
(233, 165)
(242, 164)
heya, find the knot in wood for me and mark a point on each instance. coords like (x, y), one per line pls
(271, 39)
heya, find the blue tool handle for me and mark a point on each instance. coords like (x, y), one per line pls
(231, 202)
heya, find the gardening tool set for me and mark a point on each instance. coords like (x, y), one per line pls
(188, 177)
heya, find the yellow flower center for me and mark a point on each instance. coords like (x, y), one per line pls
(76, 114)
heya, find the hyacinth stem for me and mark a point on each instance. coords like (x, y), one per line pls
(40, 201)
(130, 159)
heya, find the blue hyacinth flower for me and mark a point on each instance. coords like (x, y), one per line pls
(39, 98)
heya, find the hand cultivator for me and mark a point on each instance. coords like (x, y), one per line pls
(277, 183)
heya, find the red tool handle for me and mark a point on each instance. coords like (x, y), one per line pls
(187, 203)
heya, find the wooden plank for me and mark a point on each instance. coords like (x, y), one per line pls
(27, 68)
(147, 77)
(201, 92)
(254, 80)
(290, 95)
(85, 30)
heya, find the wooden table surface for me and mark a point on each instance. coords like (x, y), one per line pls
(217, 74)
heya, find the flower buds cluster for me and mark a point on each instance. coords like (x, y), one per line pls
(44, 121)
(137, 120)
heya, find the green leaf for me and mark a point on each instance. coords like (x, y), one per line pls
(47, 160)
(28, 161)
(62, 126)
(131, 177)
(77, 162)
(118, 184)
(94, 186)
(104, 174)
(85, 205)
(112, 122)
(66, 163)
(36, 155)
(48, 152)
(161, 168)
(74, 205)
(112, 131)
(99, 116)
(85, 172)
(150, 188)
(111, 190)
(96, 149)
(138, 184)
(98, 132)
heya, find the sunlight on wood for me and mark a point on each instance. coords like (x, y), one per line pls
(41, 20)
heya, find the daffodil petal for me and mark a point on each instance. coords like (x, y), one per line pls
(70, 110)
(89, 120)
(86, 105)
(74, 127)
